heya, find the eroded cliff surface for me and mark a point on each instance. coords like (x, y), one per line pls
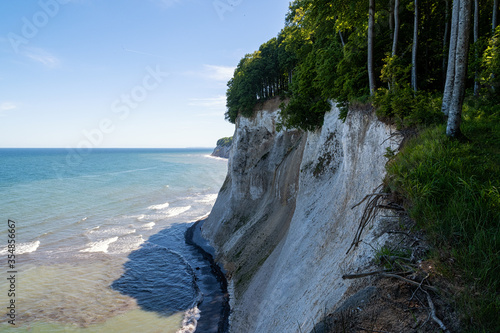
(283, 222)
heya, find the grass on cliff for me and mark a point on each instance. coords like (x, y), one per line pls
(452, 189)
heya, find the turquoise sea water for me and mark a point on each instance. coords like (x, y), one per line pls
(86, 225)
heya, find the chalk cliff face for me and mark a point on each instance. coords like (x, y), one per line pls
(283, 222)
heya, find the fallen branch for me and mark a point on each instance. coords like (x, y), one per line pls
(368, 330)
(419, 287)
(369, 212)
(394, 258)
(433, 313)
(367, 196)
(392, 207)
(360, 275)
(408, 281)
(399, 232)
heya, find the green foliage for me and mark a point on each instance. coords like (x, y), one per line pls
(259, 76)
(306, 108)
(225, 142)
(326, 69)
(490, 76)
(399, 103)
(384, 252)
(407, 109)
(452, 190)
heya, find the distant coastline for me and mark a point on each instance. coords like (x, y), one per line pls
(223, 148)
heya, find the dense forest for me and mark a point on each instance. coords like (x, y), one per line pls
(403, 56)
(431, 68)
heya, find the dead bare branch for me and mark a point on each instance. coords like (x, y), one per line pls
(360, 275)
(369, 213)
(433, 313)
(408, 281)
(368, 330)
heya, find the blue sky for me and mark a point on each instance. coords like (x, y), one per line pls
(124, 73)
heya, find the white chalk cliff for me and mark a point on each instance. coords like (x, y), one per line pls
(283, 222)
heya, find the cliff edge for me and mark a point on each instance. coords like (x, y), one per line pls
(283, 220)
(223, 148)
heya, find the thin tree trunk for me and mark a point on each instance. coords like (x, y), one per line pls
(371, 23)
(396, 28)
(445, 38)
(341, 38)
(476, 37)
(414, 49)
(391, 18)
(494, 18)
(455, 111)
(450, 73)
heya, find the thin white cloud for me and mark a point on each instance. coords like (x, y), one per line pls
(6, 106)
(218, 73)
(213, 72)
(141, 52)
(42, 56)
(166, 3)
(218, 102)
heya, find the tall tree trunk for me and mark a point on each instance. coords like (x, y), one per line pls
(371, 23)
(396, 28)
(445, 38)
(414, 49)
(450, 73)
(391, 17)
(494, 21)
(476, 37)
(462, 51)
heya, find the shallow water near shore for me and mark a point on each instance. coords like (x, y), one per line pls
(99, 239)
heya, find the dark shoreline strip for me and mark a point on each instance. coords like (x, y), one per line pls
(194, 238)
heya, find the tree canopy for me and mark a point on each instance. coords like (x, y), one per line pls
(376, 51)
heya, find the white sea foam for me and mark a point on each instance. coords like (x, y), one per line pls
(215, 157)
(27, 247)
(160, 206)
(177, 211)
(22, 248)
(208, 198)
(83, 220)
(126, 244)
(100, 246)
(149, 226)
(116, 231)
(190, 321)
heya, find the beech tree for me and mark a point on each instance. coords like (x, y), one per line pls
(461, 53)
(494, 16)
(414, 49)
(396, 28)
(476, 51)
(371, 23)
(445, 37)
(450, 73)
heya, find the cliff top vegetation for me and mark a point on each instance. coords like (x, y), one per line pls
(225, 142)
